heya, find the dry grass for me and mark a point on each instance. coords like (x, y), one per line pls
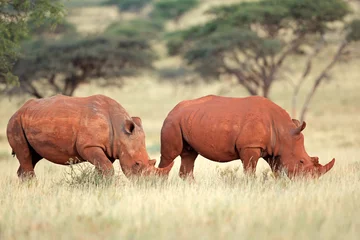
(222, 204)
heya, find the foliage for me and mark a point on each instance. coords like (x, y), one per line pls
(46, 28)
(129, 5)
(172, 9)
(139, 28)
(47, 68)
(14, 18)
(353, 31)
(70, 4)
(247, 40)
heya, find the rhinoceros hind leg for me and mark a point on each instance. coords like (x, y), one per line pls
(28, 158)
(98, 158)
(188, 157)
(249, 158)
(21, 148)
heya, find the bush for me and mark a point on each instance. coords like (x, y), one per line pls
(83, 175)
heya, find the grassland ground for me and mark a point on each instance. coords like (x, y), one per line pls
(222, 204)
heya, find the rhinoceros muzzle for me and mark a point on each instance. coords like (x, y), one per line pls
(315, 170)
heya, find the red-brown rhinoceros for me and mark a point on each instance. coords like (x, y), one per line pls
(223, 129)
(96, 129)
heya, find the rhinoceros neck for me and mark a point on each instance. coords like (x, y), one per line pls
(280, 126)
(117, 120)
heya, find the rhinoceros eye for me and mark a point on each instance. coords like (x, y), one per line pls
(302, 161)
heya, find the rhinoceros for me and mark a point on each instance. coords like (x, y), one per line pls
(96, 129)
(224, 129)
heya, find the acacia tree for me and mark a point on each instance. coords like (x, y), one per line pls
(48, 68)
(172, 9)
(251, 41)
(352, 35)
(14, 18)
(138, 28)
(129, 5)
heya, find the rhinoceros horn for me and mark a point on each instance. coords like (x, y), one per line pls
(324, 169)
(158, 171)
(299, 127)
(152, 162)
(164, 171)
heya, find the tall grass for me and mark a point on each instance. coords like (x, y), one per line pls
(215, 207)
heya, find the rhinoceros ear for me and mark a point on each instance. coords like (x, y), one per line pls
(296, 122)
(137, 121)
(299, 128)
(129, 126)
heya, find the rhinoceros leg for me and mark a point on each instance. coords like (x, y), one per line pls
(249, 158)
(171, 144)
(28, 158)
(188, 157)
(26, 155)
(274, 165)
(98, 158)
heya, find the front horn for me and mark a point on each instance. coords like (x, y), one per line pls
(327, 167)
(164, 171)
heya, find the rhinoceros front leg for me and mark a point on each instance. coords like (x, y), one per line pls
(249, 158)
(98, 158)
(274, 165)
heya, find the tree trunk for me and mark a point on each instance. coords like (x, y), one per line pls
(266, 91)
(320, 78)
(29, 88)
(307, 70)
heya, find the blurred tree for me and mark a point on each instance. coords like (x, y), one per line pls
(129, 5)
(47, 68)
(139, 28)
(172, 9)
(250, 41)
(14, 18)
(46, 29)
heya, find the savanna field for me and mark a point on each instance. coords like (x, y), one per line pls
(67, 203)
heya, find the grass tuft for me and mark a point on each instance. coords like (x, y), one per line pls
(82, 175)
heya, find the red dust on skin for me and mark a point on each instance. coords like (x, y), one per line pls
(224, 129)
(96, 129)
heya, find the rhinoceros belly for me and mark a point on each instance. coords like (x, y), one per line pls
(214, 139)
(53, 140)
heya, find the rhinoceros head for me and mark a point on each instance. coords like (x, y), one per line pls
(134, 159)
(295, 160)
